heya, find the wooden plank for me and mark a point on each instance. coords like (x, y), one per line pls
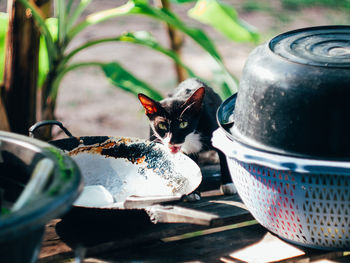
(207, 248)
(229, 209)
(343, 259)
(164, 242)
(245, 244)
(53, 248)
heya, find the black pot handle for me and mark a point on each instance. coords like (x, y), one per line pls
(225, 111)
(48, 122)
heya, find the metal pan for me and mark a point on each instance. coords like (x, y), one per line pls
(139, 174)
(293, 97)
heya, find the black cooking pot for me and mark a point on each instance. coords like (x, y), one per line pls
(294, 95)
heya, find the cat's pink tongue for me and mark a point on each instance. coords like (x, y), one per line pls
(174, 149)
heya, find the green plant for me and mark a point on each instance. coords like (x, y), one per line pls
(297, 4)
(3, 29)
(254, 5)
(57, 33)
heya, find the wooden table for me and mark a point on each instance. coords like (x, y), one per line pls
(232, 237)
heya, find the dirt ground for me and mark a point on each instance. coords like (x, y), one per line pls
(89, 105)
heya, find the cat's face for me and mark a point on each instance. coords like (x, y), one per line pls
(174, 122)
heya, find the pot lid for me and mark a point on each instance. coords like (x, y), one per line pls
(326, 46)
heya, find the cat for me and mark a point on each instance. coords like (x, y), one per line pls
(185, 120)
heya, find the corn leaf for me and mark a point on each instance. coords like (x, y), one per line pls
(3, 32)
(140, 7)
(220, 81)
(76, 13)
(223, 18)
(99, 17)
(61, 13)
(52, 25)
(121, 78)
(115, 73)
(146, 39)
(182, 1)
(142, 38)
(51, 48)
(69, 7)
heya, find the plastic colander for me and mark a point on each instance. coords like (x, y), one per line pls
(304, 201)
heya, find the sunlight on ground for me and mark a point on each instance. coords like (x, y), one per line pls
(280, 250)
(208, 231)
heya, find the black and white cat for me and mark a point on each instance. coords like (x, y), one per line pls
(185, 121)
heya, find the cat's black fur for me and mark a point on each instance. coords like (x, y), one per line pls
(189, 115)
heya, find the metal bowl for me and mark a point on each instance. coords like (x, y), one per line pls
(22, 228)
(294, 95)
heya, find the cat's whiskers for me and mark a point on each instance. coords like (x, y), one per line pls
(173, 148)
(195, 155)
(156, 135)
(167, 138)
(155, 139)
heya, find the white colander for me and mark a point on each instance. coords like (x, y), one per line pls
(304, 201)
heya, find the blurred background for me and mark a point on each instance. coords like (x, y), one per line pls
(88, 103)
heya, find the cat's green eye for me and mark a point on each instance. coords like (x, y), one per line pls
(162, 126)
(183, 124)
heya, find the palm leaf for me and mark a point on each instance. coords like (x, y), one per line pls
(52, 50)
(3, 32)
(140, 7)
(123, 79)
(142, 38)
(223, 18)
(117, 76)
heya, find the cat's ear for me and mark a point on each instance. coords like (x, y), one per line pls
(149, 104)
(195, 101)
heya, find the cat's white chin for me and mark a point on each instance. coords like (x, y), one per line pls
(192, 144)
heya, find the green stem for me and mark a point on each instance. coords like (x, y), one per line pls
(86, 45)
(231, 81)
(61, 14)
(57, 80)
(138, 7)
(77, 12)
(69, 7)
(98, 17)
(126, 38)
(51, 48)
(176, 42)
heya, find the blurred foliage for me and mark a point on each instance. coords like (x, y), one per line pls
(288, 12)
(58, 32)
(3, 30)
(296, 4)
(254, 5)
(257, 5)
(224, 19)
